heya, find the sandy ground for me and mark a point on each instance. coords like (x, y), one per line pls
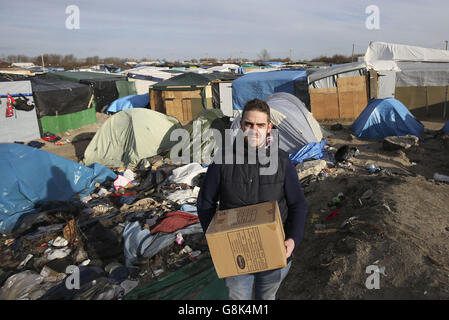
(402, 226)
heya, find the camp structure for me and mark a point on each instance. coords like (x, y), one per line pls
(129, 136)
(386, 117)
(63, 105)
(145, 76)
(296, 126)
(106, 87)
(21, 125)
(262, 85)
(418, 77)
(186, 95)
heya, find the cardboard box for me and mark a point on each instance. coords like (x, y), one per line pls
(247, 240)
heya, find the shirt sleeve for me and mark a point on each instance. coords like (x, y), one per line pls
(208, 196)
(297, 206)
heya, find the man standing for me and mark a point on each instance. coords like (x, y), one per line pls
(243, 183)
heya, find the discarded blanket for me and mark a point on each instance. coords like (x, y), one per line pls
(174, 221)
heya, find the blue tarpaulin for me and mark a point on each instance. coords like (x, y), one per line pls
(313, 150)
(386, 117)
(31, 177)
(446, 128)
(128, 102)
(261, 85)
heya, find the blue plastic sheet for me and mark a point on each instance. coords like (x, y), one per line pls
(386, 117)
(313, 150)
(261, 85)
(446, 128)
(128, 102)
(31, 177)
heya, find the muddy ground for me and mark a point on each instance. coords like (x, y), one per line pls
(401, 225)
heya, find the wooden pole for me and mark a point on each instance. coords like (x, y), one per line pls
(43, 65)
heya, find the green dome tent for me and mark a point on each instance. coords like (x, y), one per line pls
(129, 136)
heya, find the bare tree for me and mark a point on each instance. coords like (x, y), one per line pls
(264, 55)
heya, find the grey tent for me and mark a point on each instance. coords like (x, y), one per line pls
(297, 126)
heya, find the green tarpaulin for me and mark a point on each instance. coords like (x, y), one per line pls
(62, 123)
(196, 281)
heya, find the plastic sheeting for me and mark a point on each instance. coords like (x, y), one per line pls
(197, 280)
(386, 117)
(31, 177)
(59, 97)
(314, 150)
(446, 128)
(399, 52)
(262, 85)
(422, 74)
(129, 102)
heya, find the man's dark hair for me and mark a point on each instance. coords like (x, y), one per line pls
(257, 105)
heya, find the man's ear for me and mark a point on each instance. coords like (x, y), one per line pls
(270, 126)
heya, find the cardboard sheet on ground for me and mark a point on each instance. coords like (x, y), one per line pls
(31, 177)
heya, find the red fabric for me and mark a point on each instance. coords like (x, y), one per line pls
(332, 215)
(174, 221)
(9, 106)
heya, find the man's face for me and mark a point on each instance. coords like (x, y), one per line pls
(256, 127)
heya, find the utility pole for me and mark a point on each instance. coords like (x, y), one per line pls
(353, 47)
(43, 65)
(446, 44)
(291, 55)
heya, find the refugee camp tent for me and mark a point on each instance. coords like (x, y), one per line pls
(22, 125)
(62, 104)
(262, 85)
(296, 126)
(186, 95)
(31, 177)
(106, 87)
(200, 134)
(128, 102)
(129, 136)
(418, 77)
(386, 117)
(145, 76)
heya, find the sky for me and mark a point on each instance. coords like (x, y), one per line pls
(187, 29)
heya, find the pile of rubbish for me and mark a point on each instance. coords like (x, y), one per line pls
(127, 232)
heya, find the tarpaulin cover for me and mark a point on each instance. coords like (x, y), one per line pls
(386, 117)
(197, 280)
(105, 91)
(31, 177)
(55, 96)
(314, 150)
(446, 128)
(261, 85)
(76, 76)
(129, 136)
(134, 101)
(174, 221)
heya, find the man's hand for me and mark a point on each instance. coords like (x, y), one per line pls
(289, 246)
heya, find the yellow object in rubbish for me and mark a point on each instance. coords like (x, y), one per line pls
(315, 218)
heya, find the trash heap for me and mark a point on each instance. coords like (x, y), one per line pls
(126, 233)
